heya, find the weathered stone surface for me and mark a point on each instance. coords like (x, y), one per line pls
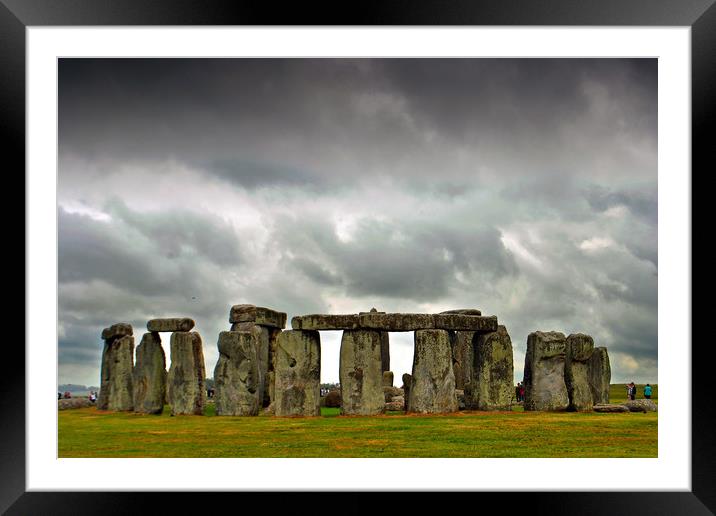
(387, 378)
(407, 381)
(641, 406)
(172, 324)
(460, 395)
(600, 375)
(298, 373)
(73, 403)
(270, 377)
(385, 350)
(396, 322)
(609, 408)
(432, 388)
(462, 358)
(576, 371)
(463, 311)
(391, 392)
(186, 378)
(257, 315)
(150, 375)
(545, 388)
(491, 386)
(116, 388)
(360, 373)
(236, 376)
(460, 322)
(325, 322)
(116, 331)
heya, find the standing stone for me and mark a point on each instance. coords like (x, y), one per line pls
(576, 371)
(236, 375)
(298, 373)
(385, 350)
(116, 388)
(387, 378)
(360, 373)
(432, 389)
(545, 388)
(407, 381)
(150, 375)
(491, 387)
(270, 376)
(186, 377)
(600, 375)
(462, 358)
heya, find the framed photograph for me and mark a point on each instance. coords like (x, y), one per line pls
(511, 184)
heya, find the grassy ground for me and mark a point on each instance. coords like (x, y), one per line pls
(91, 433)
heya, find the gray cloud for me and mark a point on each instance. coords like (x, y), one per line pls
(524, 187)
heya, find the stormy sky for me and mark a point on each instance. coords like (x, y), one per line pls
(526, 188)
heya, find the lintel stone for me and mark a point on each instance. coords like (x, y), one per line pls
(172, 324)
(257, 315)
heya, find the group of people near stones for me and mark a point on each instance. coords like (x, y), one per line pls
(461, 358)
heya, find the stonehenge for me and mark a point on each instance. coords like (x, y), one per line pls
(116, 386)
(186, 393)
(360, 373)
(600, 375)
(150, 375)
(462, 360)
(432, 388)
(491, 386)
(297, 387)
(545, 387)
(576, 371)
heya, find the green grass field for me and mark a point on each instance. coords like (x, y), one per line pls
(91, 433)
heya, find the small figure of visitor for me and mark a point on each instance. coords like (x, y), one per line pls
(522, 392)
(647, 391)
(631, 391)
(59, 395)
(67, 395)
(517, 391)
(92, 396)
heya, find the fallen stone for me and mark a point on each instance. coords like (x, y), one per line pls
(298, 373)
(116, 331)
(605, 407)
(257, 315)
(394, 406)
(325, 322)
(391, 392)
(387, 378)
(491, 386)
(186, 377)
(576, 371)
(360, 373)
(150, 375)
(432, 388)
(182, 324)
(600, 375)
(462, 358)
(641, 406)
(545, 388)
(116, 387)
(463, 311)
(236, 375)
(73, 403)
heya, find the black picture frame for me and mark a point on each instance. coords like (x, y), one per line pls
(700, 15)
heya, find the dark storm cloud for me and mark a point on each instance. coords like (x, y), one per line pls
(525, 187)
(258, 121)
